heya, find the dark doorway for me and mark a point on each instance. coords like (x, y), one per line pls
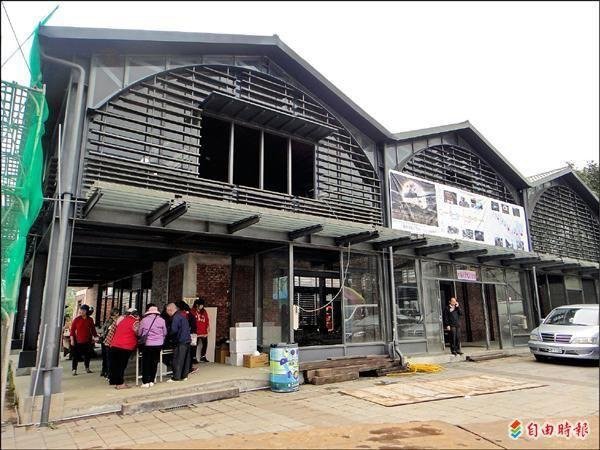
(214, 153)
(492, 315)
(303, 168)
(470, 297)
(276, 170)
(246, 156)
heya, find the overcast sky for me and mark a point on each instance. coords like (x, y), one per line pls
(524, 74)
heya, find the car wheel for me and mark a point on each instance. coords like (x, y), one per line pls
(541, 358)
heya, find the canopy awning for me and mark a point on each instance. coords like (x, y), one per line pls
(133, 199)
(264, 116)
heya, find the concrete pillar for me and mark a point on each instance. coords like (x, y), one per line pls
(17, 335)
(27, 357)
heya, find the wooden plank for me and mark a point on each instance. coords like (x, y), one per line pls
(349, 376)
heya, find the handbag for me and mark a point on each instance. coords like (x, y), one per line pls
(142, 339)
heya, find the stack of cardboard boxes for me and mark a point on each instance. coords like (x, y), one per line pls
(242, 341)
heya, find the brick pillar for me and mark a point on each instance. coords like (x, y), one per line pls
(160, 275)
(213, 284)
(175, 283)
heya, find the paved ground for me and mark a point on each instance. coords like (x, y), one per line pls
(263, 419)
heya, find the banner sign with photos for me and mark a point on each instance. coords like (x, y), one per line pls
(422, 206)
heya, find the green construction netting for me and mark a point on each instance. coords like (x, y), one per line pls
(24, 112)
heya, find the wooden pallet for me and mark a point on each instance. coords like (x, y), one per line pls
(335, 370)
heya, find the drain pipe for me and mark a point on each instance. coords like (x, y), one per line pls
(59, 248)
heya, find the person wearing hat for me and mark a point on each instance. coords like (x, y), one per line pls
(122, 345)
(82, 335)
(151, 337)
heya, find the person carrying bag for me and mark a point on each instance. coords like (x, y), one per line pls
(151, 338)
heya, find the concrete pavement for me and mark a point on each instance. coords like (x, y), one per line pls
(571, 392)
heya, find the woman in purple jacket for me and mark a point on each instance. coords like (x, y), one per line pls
(151, 332)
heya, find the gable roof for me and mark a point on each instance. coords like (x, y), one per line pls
(468, 132)
(66, 41)
(572, 179)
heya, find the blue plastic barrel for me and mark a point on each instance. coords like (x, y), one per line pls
(283, 359)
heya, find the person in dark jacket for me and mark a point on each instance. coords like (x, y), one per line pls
(180, 334)
(451, 318)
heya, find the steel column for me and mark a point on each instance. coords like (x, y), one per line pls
(261, 163)
(27, 356)
(59, 252)
(231, 152)
(537, 294)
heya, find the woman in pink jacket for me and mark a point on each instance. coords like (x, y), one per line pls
(152, 332)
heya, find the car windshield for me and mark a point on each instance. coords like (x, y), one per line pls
(573, 316)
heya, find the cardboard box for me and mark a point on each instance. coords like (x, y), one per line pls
(242, 333)
(246, 346)
(252, 361)
(236, 359)
(221, 353)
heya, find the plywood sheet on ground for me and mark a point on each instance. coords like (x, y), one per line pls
(405, 393)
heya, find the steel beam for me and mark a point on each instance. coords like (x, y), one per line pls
(412, 244)
(563, 266)
(307, 231)
(529, 259)
(468, 253)
(390, 242)
(495, 257)
(424, 251)
(241, 224)
(174, 213)
(356, 238)
(154, 215)
(541, 263)
(91, 202)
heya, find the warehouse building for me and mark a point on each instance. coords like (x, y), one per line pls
(226, 167)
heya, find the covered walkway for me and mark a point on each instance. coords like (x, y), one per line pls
(89, 394)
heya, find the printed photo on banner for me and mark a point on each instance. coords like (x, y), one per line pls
(413, 200)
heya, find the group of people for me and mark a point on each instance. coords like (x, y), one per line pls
(178, 327)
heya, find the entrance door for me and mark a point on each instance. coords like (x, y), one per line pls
(499, 291)
(473, 320)
(492, 315)
(446, 293)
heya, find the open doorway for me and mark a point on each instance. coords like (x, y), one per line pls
(473, 320)
(492, 315)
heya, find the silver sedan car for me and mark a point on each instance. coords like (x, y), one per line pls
(569, 331)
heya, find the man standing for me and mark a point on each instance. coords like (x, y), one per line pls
(202, 328)
(180, 334)
(452, 315)
(83, 334)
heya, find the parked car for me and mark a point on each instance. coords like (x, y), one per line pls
(569, 331)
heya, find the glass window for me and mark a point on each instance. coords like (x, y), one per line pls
(433, 315)
(573, 283)
(317, 297)
(362, 299)
(557, 291)
(409, 312)
(589, 291)
(492, 274)
(274, 304)
(573, 316)
(518, 315)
